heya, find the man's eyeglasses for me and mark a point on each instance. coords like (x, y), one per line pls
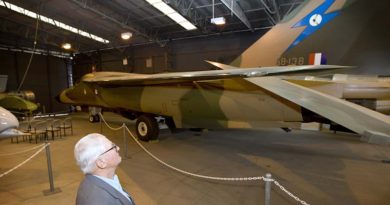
(114, 146)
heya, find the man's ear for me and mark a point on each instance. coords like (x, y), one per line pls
(101, 163)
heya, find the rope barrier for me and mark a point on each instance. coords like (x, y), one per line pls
(112, 128)
(188, 173)
(7, 154)
(174, 168)
(204, 176)
(25, 161)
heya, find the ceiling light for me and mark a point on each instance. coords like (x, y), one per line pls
(172, 14)
(51, 21)
(163, 7)
(187, 25)
(126, 35)
(177, 17)
(218, 21)
(66, 46)
(153, 1)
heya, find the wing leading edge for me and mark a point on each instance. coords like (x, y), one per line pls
(118, 79)
(374, 127)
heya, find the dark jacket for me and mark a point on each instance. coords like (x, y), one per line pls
(93, 190)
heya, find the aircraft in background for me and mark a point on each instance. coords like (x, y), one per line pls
(282, 92)
(18, 102)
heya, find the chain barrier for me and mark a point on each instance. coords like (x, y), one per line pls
(204, 176)
(25, 161)
(289, 193)
(23, 151)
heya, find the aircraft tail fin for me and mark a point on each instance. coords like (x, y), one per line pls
(295, 28)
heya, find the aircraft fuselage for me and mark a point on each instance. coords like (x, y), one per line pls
(232, 103)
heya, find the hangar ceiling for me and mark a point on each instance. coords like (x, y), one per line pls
(109, 18)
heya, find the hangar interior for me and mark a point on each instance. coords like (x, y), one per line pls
(155, 37)
(322, 168)
(158, 44)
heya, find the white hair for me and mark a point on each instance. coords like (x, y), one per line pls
(87, 150)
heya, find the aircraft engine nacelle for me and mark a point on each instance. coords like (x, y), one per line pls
(382, 106)
(25, 94)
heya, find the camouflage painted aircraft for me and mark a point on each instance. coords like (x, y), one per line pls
(18, 102)
(245, 95)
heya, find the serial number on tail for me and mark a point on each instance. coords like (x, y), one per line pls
(290, 61)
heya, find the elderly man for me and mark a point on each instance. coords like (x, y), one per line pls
(98, 159)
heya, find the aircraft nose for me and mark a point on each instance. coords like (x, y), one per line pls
(7, 120)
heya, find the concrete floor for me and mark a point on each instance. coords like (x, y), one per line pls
(320, 168)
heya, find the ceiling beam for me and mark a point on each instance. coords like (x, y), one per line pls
(270, 12)
(276, 9)
(185, 8)
(48, 36)
(121, 21)
(237, 11)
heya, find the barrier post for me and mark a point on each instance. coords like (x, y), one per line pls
(52, 190)
(124, 138)
(267, 186)
(101, 122)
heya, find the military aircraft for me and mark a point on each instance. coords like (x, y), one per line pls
(268, 85)
(18, 102)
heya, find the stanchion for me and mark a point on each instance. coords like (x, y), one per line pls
(52, 190)
(101, 123)
(267, 186)
(124, 139)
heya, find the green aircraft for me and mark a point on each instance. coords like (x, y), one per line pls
(244, 95)
(17, 102)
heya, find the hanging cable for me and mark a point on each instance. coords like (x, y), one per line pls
(213, 8)
(33, 51)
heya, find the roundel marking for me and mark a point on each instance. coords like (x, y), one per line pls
(315, 20)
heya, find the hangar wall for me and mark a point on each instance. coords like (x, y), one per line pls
(47, 76)
(354, 38)
(177, 55)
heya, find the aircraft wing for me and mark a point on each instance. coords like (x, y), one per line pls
(357, 118)
(12, 133)
(118, 79)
